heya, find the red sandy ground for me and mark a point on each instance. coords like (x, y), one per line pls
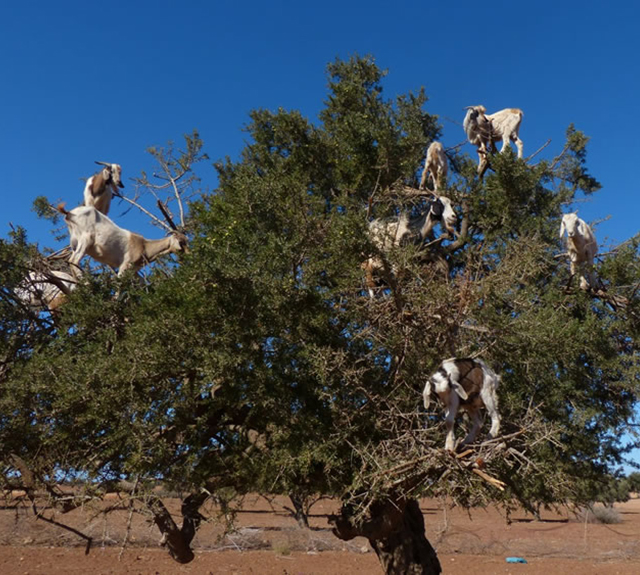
(267, 541)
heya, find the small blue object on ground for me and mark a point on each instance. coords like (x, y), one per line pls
(516, 560)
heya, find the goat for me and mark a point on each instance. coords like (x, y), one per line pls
(101, 186)
(582, 247)
(94, 234)
(385, 235)
(393, 232)
(435, 166)
(467, 384)
(46, 289)
(439, 209)
(484, 130)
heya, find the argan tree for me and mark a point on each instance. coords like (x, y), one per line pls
(260, 363)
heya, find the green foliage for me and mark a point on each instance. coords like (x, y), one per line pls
(609, 490)
(44, 209)
(372, 142)
(570, 166)
(633, 480)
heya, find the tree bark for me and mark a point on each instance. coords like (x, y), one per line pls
(395, 530)
(299, 510)
(178, 540)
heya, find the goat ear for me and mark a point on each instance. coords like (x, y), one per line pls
(562, 228)
(426, 394)
(459, 390)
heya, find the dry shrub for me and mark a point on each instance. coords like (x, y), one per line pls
(599, 514)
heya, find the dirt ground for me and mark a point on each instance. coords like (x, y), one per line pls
(267, 541)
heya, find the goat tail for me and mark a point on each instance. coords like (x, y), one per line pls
(60, 208)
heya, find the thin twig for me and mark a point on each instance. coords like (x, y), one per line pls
(375, 190)
(147, 212)
(88, 539)
(538, 151)
(492, 480)
(129, 519)
(557, 159)
(167, 216)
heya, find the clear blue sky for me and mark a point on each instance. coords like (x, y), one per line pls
(85, 81)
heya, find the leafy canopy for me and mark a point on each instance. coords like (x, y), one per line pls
(260, 363)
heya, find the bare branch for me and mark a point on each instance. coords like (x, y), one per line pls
(538, 151)
(457, 146)
(167, 216)
(147, 212)
(557, 159)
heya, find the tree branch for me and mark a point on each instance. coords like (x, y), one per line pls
(537, 151)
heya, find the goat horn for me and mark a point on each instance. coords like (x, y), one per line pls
(103, 164)
(167, 217)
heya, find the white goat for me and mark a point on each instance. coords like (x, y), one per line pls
(100, 187)
(435, 166)
(46, 289)
(582, 247)
(467, 384)
(94, 234)
(385, 234)
(390, 233)
(484, 130)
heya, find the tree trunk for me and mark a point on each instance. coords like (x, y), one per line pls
(406, 549)
(178, 541)
(395, 530)
(299, 510)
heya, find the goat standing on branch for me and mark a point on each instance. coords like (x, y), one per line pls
(390, 233)
(100, 187)
(467, 384)
(46, 289)
(484, 130)
(435, 166)
(94, 234)
(385, 234)
(582, 248)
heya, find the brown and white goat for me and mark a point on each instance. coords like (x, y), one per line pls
(582, 248)
(468, 384)
(484, 130)
(390, 233)
(100, 187)
(435, 166)
(46, 289)
(94, 234)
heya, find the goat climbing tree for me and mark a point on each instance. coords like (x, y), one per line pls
(261, 364)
